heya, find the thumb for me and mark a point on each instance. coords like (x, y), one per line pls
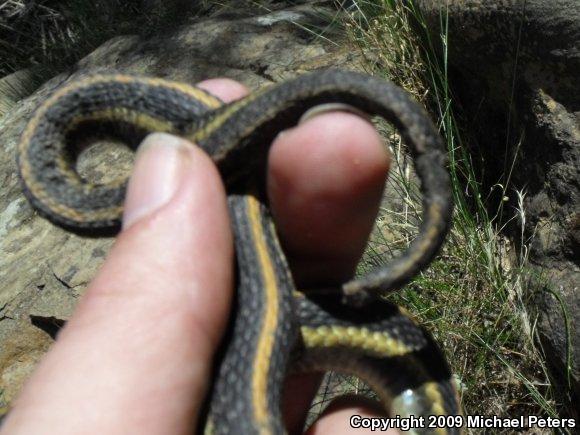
(136, 355)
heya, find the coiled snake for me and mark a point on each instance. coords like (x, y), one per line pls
(350, 328)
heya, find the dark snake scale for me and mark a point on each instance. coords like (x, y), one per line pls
(275, 328)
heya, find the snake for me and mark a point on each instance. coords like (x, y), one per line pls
(275, 328)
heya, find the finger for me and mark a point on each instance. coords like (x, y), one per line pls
(136, 355)
(345, 415)
(226, 90)
(299, 390)
(325, 182)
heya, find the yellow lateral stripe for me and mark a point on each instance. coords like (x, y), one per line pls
(123, 114)
(269, 321)
(196, 93)
(380, 344)
(140, 119)
(217, 121)
(433, 392)
(132, 117)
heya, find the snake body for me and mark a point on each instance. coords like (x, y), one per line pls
(275, 326)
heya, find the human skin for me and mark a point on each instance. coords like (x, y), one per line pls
(137, 354)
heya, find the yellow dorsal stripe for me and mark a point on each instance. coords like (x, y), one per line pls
(269, 320)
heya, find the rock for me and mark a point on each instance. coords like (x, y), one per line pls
(44, 269)
(514, 65)
(14, 87)
(22, 347)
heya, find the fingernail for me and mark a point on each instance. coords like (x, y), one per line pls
(331, 107)
(160, 163)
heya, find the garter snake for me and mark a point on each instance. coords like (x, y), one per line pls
(275, 327)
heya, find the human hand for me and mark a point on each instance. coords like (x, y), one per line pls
(137, 354)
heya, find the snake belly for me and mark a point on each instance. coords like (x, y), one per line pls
(371, 338)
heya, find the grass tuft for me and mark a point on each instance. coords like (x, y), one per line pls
(52, 35)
